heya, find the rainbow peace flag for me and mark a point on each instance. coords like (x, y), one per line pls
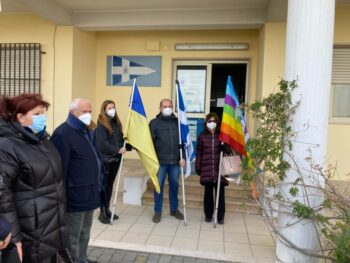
(233, 126)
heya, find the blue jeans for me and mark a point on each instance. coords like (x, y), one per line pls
(173, 171)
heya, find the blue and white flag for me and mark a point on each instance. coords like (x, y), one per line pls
(121, 70)
(185, 131)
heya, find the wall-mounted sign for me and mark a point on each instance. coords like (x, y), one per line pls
(121, 70)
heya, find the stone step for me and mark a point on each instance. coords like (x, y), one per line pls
(199, 190)
(240, 205)
(237, 198)
(199, 198)
(193, 186)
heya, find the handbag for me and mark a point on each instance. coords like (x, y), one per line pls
(231, 164)
(10, 254)
(231, 168)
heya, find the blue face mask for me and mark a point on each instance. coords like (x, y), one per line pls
(39, 123)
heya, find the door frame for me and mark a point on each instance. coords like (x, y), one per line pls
(208, 63)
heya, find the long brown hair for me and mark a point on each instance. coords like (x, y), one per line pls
(103, 118)
(10, 107)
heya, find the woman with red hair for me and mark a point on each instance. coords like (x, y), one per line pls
(31, 184)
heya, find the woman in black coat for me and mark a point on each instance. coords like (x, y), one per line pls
(109, 144)
(31, 184)
(207, 166)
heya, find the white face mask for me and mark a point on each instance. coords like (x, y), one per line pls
(211, 125)
(167, 111)
(111, 112)
(85, 118)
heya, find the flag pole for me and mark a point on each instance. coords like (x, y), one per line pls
(218, 190)
(122, 159)
(181, 157)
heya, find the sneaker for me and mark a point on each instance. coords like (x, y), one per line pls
(177, 214)
(156, 217)
(207, 219)
(221, 222)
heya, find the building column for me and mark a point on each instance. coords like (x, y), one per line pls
(309, 47)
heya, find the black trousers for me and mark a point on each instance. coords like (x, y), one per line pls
(109, 173)
(210, 198)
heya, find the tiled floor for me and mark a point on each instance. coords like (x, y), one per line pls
(243, 237)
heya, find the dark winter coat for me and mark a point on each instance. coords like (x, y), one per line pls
(165, 136)
(208, 157)
(31, 191)
(108, 144)
(80, 162)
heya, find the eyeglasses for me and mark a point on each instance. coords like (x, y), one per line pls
(211, 121)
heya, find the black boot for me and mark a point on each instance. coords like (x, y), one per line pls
(103, 217)
(109, 213)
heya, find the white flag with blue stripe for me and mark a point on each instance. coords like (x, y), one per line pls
(185, 132)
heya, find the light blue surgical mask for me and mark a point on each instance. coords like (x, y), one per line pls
(39, 123)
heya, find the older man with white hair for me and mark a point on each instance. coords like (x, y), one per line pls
(81, 168)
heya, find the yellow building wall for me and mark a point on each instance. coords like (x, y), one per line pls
(68, 62)
(32, 29)
(134, 44)
(62, 73)
(271, 58)
(260, 65)
(84, 65)
(57, 74)
(74, 64)
(338, 134)
(272, 39)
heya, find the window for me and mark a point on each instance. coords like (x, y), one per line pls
(20, 66)
(340, 99)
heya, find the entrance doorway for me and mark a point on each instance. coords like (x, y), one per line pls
(203, 87)
(203, 84)
(219, 74)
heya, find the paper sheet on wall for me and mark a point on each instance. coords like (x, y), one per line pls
(192, 83)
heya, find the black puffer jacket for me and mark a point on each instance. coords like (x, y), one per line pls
(108, 144)
(165, 135)
(208, 157)
(31, 191)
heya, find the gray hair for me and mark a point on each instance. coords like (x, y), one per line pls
(74, 105)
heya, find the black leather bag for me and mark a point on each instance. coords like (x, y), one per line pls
(9, 254)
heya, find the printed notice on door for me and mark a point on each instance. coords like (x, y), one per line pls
(192, 81)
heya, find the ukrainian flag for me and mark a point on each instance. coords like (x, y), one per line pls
(139, 136)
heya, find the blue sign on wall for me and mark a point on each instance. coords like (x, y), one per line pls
(121, 70)
(196, 126)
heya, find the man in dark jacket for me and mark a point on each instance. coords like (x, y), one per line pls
(165, 136)
(81, 168)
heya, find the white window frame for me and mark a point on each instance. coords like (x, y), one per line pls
(340, 75)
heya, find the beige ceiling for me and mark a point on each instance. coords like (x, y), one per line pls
(97, 15)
